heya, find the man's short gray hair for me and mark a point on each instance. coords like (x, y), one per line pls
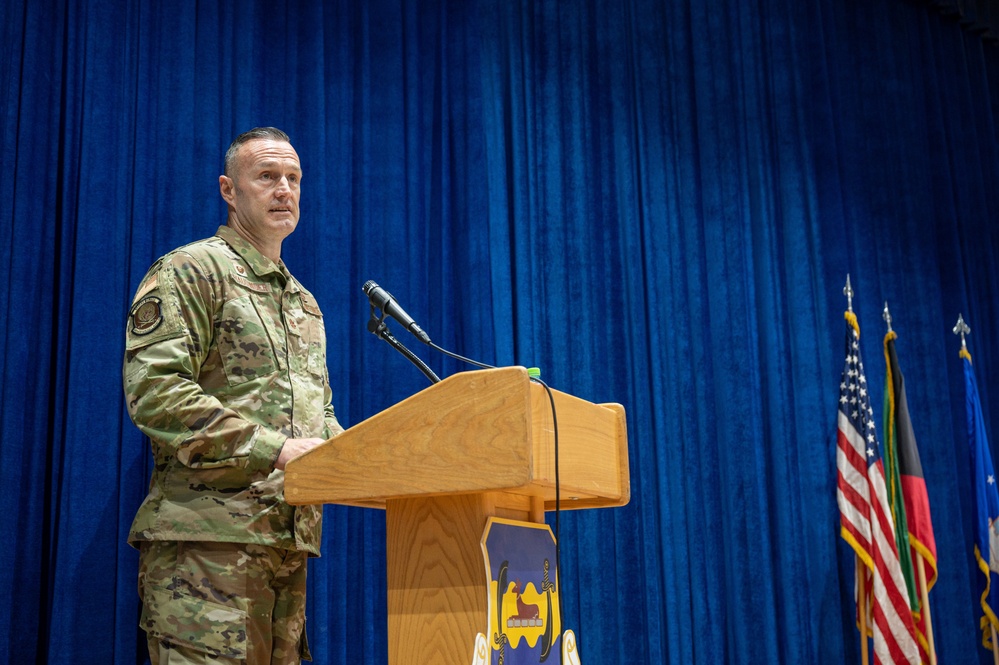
(255, 133)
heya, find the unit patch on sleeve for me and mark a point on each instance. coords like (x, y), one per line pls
(146, 315)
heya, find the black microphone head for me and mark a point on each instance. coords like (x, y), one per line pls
(383, 300)
(378, 296)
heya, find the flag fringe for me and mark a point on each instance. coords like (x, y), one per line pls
(928, 557)
(989, 620)
(861, 553)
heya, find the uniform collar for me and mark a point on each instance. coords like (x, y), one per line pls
(260, 264)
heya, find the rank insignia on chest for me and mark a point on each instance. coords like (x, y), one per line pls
(146, 315)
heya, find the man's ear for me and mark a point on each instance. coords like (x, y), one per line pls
(227, 188)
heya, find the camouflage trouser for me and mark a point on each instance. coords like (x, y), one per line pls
(222, 603)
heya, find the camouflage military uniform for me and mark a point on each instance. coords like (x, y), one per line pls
(222, 603)
(225, 359)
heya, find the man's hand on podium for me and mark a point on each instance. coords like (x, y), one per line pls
(293, 448)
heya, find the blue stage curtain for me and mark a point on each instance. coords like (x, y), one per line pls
(657, 203)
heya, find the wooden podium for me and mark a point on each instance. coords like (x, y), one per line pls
(477, 444)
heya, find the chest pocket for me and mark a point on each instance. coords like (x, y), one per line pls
(314, 336)
(244, 342)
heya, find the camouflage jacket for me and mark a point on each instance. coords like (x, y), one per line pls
(225, 358)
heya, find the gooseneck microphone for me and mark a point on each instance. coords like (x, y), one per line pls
(383, 304)
(383, 300)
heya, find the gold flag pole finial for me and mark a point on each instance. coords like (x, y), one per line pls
(848, 292)
(887, 317)
(962, 329)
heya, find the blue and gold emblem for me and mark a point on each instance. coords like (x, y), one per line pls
(524, 621)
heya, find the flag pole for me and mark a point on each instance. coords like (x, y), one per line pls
(861, 570)
(962, 329)
(862, 608)
(924, 599)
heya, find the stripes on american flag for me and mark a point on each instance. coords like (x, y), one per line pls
(865, 518)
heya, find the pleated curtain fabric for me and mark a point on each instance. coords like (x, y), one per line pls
(657, 203)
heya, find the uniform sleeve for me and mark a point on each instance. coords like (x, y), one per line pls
(333, 426)
(170, 328)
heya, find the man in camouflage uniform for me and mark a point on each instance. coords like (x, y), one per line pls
(225, 372)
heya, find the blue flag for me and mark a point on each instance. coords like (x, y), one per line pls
(986, 505)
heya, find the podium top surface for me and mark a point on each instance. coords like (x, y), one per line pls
(478, 431)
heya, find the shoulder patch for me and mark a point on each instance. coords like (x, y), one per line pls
(146, 315)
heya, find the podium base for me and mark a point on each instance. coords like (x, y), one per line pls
(570, 654)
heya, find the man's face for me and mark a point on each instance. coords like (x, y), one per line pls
(263, 191)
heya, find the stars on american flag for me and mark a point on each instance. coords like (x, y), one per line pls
(855, 398)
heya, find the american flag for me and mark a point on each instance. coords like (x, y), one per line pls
(865, 518)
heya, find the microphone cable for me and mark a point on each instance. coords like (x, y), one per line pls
(463, 359)
(558, 510)
(536, 378)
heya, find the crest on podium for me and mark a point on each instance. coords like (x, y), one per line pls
(524, 622)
